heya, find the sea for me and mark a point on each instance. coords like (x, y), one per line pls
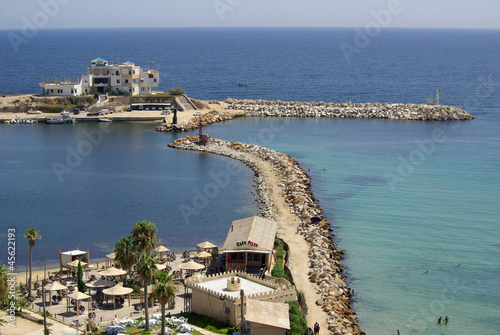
(415, 205)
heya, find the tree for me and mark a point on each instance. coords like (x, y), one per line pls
(126, 254)
(4, 288)
(146, 270)
(177, 91)
(164, 291)
(215, 258)
(144, 236)
(80, 283)
(32, 235)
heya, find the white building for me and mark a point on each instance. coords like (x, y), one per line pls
(103, 77)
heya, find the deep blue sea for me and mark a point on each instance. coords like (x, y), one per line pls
(403, 197)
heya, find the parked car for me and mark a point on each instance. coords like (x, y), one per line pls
(77, 111)
(166, 112)
(197, 113)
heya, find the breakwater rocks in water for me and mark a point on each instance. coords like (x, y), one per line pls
(373, 110)
(325, 267)
(205, 118)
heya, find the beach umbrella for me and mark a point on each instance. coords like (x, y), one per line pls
(101, 283)
(75, 263)
(161, 266)
(205, 246)
(109, 258)
(112, 271)
(161, 249)
(203, 254)
(77, 295)
(54, 286)
(191, 265)
(118, 290)
(150, 290)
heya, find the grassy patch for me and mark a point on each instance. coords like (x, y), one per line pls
(209, 324)
(298, 324)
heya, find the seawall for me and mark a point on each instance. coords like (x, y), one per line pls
(375, 110)
(325, 272)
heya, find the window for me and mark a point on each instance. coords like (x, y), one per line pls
(51, 91)
(117, 73)
(126, 81)
(129, 71)
(117, 81)
(130, 90)
(155, 80)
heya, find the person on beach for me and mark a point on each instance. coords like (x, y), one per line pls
(446, 319)
(398, 332)
(316, 328)
(440, 319)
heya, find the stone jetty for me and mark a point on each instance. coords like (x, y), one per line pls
(206, 118)
(375, 110)
(325, 270)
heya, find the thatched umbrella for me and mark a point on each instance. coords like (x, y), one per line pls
(77, 295)
(161, 249)
(74, 263)
(191, 266)
(110, 258)
(206, 246)
(101, 283)
(55, 286)
(118, 290)
(150, 289)
(112, 271)
(161, 267)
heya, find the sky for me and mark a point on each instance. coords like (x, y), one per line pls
(46, 14)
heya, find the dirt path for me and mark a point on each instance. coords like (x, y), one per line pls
(298, 258)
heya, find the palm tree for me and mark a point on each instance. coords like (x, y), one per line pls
(146, 270)
(126, 254)
(144, 236)
(164, 291)
(32, 235)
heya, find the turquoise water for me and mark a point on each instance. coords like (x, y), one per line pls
(398, 208)
(441, 213)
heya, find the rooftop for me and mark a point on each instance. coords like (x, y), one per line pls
(251, 234)
(220, 286)
(99, 60)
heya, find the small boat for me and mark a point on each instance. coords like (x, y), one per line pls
(31, 111)
(105, 119)
(242, 84)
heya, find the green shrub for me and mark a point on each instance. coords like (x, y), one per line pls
(279, 272)
(176, 91)
(298, 324)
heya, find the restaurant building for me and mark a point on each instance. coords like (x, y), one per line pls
(249, 244)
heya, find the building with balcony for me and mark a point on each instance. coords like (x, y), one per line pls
(103, 77)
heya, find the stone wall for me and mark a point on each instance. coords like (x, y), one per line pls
(326, 271)
(375, 110)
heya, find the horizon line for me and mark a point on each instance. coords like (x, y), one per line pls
(254, 27)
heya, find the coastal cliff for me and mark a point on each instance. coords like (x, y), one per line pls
(325, 273)
(375, 110)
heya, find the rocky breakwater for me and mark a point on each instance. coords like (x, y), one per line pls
(205, 118)
(375, 110)
(325, 269)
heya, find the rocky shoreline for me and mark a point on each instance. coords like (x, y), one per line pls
(194, 122)
(325, 269)
(375, 110)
